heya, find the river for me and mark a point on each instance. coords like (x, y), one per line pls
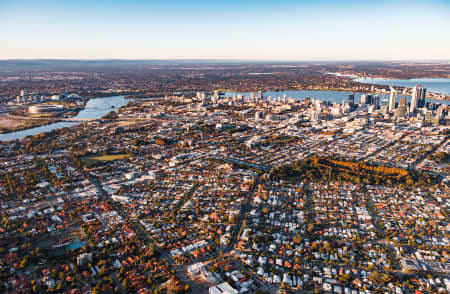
(98, 107)
(95, 108)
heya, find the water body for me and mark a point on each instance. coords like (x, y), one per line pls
(99, 107)
(95, 108)
(331, 96)
(438, 85)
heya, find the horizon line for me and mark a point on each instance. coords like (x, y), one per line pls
(226, 59)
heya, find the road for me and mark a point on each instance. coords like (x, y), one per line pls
(237, 228)
(242, 215)
(431, 151)
(244, 163)
(266, 287)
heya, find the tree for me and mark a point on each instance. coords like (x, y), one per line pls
(24, 262)
(375, 277)
(59, 287)
(103, 270)
(151, 250)
(297, 238)
(171, 287)
(187, 288)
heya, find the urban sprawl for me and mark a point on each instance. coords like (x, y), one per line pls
(217, 193)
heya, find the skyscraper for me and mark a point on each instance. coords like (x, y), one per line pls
(384, 106)
(418, 98)
(401, 110)
(413, 100)
(351, 100)
(422, 95)
(260, 94)
(392, 100)
(364, 100)
(375, 101)
(216, 94)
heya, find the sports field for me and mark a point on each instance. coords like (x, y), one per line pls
(90, 160)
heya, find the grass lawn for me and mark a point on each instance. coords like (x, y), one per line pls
(90, 160)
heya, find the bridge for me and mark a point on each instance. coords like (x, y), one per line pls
(73, 119)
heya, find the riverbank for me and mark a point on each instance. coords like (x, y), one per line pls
(23, 121)
(94, 108)
(10, 124)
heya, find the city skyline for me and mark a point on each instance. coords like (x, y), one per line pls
(248, 30)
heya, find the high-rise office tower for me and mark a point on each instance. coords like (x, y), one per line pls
(364, 99)
(316, 114)
(422, 93)
(418, 98)
(216, 94)
(413, 106)
(384, 106)
(392, 100)
(375, 101)
(401, 110)
(351, 100)
(440, 112)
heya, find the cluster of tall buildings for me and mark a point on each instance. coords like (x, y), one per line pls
(24, 97)
(417, 107)
(389, 106)
(253, 97)
(418, 97)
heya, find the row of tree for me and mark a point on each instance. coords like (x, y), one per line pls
(318, 168)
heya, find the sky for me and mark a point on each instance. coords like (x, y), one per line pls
(225, 29)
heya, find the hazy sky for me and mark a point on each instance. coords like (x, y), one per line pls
(231, 29)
